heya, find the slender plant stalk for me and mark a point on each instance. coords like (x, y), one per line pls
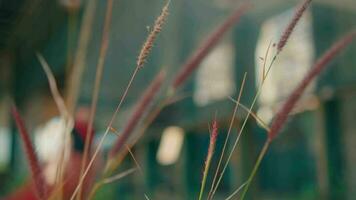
(135, 160)
(91, 162)
(236, 191)
(75, 76)
(237, 139)
(156, 84)
(137, 114)
(255, 168)
(253, 115)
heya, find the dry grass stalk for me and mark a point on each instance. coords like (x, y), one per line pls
(135, 160)
(288, 31)
(138, 113)
(157, 28)
(211, 149)
(69, 122)
(236, 191)
(75, 76)
(35, 167)
(54, 88)
(206, 46)
(253, 115)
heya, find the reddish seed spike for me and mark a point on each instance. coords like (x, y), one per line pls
(288, 31)
(138, 112)
(157, 28)
(36, 170)
(206, 46)
(213, 137)
(320, 65)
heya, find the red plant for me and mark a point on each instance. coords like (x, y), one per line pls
(35, 167)
(207, 45)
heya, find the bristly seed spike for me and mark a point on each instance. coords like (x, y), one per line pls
(288, 31)
(156, 29)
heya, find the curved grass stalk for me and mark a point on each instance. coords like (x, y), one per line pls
(69, 122)
(254, 115)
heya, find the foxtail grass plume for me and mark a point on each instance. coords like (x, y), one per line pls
(207, 45)
(213, 137)
(35, 167)
(320, 65)
(157, 28)
(288, 31)
(211, 149)
(140, 109)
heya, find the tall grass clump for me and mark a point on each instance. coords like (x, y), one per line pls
(146, 108)
(282, 42)
(282, 115)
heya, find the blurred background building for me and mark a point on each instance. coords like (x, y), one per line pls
(314, 158)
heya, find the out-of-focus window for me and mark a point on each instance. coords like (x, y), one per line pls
(5, 136)
(291, 65)
(215, 77)
(5, 145)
